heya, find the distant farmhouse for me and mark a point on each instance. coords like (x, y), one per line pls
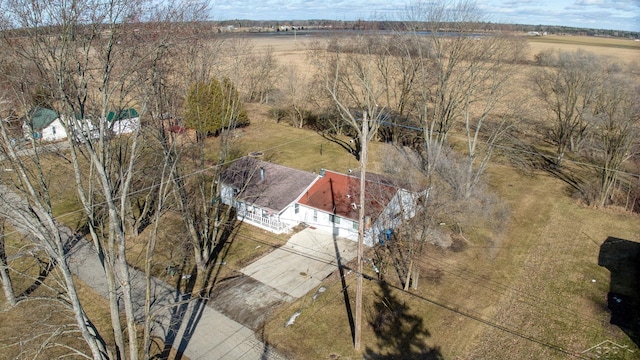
(42, 123)
(45, 124)
(124, 121)
(277, 198)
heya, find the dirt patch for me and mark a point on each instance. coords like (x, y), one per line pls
(247, 300)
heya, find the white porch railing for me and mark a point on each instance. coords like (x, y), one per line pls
(269, 223)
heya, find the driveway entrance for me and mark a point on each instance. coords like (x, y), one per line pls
(302, 263)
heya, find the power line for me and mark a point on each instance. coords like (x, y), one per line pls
(457, 310)
(443, 305)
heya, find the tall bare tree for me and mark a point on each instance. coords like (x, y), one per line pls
(297, 93)
(197, 196)
(253, 70)
(567, 87)
(460, 82)
(31, 211)
(441, 44)
(616, 127)
(353, 84)
(91, 58)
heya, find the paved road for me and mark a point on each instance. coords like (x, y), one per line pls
(193, 327)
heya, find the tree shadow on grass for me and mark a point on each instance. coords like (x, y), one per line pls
(573, 178)
(622, 258)
(400, 334)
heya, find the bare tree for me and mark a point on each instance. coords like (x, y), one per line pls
(254, 71)
(352, 83)
(261, 72)
(393, 57)
(4, 269)
(443, 63)
(460, 82)
(485, 110)
(297, 94)
(197, 196)
(31, 211)
(616, 127)
(567, 88)
(92, 60)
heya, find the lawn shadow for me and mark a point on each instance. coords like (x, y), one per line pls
(70, 240)
(573, 180)
(622, 258)
(221, 251)
(400, 334)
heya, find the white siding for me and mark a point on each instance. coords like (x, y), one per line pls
(55, 131)
(344, 229)
(126, 126)
(401, 207)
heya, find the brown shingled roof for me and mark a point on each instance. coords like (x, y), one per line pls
(340, 194)
(265, 184)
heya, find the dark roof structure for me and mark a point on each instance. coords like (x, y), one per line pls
(339, 194)
(124, 114)
(265, 184)
(41, 117)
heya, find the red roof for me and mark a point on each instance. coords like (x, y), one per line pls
(339, 194)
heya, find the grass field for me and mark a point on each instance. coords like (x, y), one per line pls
(529, 293)
(534, 291)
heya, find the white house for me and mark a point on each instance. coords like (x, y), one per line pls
(124, 122)
(277, 198)
(42, 123)
(332, 203)
(263, 193)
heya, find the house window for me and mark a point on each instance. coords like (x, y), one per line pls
(53, 130)
(315, 215)
(296, 208)
(354, 225)
(334, 219)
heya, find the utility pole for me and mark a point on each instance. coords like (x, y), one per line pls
(361, 218)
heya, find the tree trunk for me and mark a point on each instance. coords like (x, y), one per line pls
(408, 279)
(88, 331)
(114, 312)
(105, 257)
(122, 269)
(4, 272)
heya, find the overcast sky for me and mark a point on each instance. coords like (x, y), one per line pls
(599, 14)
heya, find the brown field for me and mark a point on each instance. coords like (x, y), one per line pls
(621, 49)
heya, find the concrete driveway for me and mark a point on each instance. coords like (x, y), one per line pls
(302, 263)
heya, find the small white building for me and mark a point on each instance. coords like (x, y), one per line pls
(124, 121)
(44, 124)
